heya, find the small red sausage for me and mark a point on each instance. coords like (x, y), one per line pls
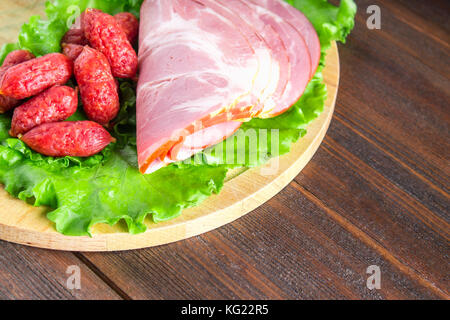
(68, 138)
(55, 104)
(129, 23)
(16, 57)
(7, 103)
(72, 51)
(105, 35)
(75, 35)
(34, 76)
(13, 58)
(98, 88)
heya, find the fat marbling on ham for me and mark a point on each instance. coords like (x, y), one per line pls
(206, 66)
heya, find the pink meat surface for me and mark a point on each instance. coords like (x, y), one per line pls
(205, 67)
(300, 22)
(197, 70)
(289, 48)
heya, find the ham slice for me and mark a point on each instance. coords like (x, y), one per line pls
(205, 67)
(288, 45)
(300, 22)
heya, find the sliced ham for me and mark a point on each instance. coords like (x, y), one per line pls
(197, 71)
(275, 46)
(300, 22)
(287, 45)
(205, 67)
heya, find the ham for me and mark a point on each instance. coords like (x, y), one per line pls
(206, 66)
(300, 22)
(288, 45)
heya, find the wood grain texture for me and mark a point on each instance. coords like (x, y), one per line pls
(27, 273)
(376, 193)
(13, 14)
(287, 249)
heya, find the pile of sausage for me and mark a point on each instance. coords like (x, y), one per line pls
(96, 50)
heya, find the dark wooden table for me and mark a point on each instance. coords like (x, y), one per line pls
(376, 193)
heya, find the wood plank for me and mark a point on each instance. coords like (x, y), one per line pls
(425, 39)
(27, 273)
(404, 108)
(348, 246)
(13, 14)
(414, 236)
(439, 10)
(289, 248)
(394, 175)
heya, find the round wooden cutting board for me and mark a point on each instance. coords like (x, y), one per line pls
(243, 192)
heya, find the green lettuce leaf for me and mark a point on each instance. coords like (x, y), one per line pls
(108, 187)
(331, 23)
(106, 193)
